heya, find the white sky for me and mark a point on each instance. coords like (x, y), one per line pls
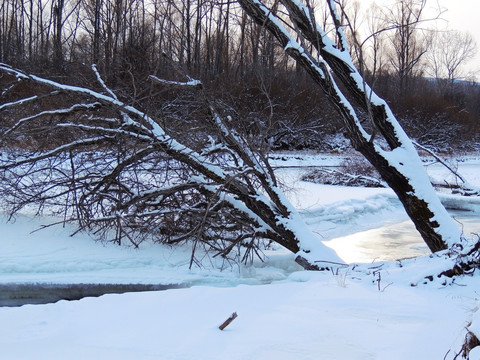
(461, 15)
(464, 15)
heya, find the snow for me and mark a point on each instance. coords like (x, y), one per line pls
(22, 101)
(313, 319)
(191, 82)
(368, 311)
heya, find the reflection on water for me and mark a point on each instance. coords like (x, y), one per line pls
(393, 242)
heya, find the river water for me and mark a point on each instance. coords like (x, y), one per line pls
(21, 294)
(394, 241)
(387, 243)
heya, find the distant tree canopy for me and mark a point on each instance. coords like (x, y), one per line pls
(219, 44)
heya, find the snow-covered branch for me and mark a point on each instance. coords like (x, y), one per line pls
(65, 111)
(119, 168)
(19, 102)
(190, 82)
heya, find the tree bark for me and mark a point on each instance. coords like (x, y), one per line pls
(228, 321)
(399, 166)
(57, 44)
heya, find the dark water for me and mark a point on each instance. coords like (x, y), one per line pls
(21, 294)
(390, 242)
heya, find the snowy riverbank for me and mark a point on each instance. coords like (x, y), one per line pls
(283, 311)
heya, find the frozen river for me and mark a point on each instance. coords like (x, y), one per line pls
(389, 242)
(394, 241)
(361, 224)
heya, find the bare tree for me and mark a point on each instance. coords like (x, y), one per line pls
(107, 165)
(408, 44)
(367, 36)
(100, 161)
(392, 153)
(451, 51)
(57, 11)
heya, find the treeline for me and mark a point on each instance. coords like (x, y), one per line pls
(206, 38)
(240, 64)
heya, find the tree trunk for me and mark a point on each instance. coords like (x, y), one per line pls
(57, 43)
(399, 166)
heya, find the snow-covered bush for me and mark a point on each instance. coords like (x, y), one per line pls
(353, 171)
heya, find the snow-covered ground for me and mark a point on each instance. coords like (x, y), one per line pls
(307, 316)
(283, 311)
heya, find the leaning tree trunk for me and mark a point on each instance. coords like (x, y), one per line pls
(246, 194)
(399, 164)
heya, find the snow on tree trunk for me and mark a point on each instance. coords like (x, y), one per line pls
(387, 147)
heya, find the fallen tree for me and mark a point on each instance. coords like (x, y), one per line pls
(110, 166)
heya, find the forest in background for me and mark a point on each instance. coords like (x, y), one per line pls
(418, 70)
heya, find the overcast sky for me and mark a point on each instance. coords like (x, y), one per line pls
(461, 15)
(464, 15)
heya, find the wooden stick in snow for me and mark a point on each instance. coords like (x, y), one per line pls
(228, 321)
